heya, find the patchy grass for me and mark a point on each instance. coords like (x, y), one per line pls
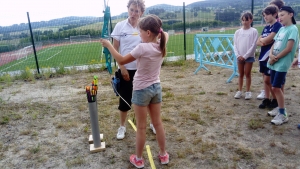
(168, 95)
(4, 119)
(35, 149)
(25, 132)
(289, 151)
(66, 125)
(202, 93)
(221, 93)
(204, 124)
(256, 124)
(75, 162)
(244, 153)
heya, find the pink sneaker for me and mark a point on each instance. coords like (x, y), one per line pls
(136, 163)
(164, 159)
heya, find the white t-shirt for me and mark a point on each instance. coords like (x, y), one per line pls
(128, 42)
(245, 42)
(149, 59)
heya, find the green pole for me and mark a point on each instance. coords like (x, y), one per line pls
(184, 31)
(33, 46)
(252, 10)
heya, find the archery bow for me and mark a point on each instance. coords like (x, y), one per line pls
(105, 34)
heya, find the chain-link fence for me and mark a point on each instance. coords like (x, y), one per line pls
(74, 41)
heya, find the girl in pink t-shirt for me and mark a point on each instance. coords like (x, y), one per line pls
(146, 83)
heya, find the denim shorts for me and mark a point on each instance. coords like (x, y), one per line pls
(249, 60)
(144, 97)
(277, 78)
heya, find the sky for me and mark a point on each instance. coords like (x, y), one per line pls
(15, 11)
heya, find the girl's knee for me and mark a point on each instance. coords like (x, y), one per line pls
(275, 89)
(141, 126)
(267, 82)
(248, 76)
(157, 124)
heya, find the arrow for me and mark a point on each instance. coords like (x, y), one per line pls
(122, 35)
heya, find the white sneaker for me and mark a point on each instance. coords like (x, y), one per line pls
(121, 132)
(248, 95)
(280, 119)
(152, 128)
(274, 112)
(238, 95)
(261, 95)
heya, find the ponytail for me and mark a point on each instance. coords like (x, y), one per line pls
(162, 44)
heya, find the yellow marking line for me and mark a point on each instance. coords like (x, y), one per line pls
(147, 148)
(133, 126)
(150, 157)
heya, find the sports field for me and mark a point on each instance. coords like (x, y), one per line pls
(53, 56)
(90, 53)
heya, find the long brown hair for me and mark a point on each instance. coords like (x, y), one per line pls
(154, 24)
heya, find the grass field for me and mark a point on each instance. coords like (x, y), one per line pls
(67, 55)
(90, 53)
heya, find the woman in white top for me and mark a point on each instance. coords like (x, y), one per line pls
(125, 35)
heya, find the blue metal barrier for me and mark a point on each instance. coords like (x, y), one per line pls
(216, 50)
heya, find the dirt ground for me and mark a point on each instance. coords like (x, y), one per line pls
(46, 123)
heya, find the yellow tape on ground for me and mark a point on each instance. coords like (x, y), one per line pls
(150, 157)
(133, 126)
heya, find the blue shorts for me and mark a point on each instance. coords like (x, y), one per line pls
(263, 68)
(277, 78)
(248, 60)
(144, 97)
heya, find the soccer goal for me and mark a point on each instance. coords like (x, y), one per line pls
(171, 32)
(27, 51)
(24, 52)
(204, 29)
(187, 30)
(80, 39)
(222, 29)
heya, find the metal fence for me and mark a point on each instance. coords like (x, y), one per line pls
(74, 41)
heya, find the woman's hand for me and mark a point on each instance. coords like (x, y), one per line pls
(124, 72)
(105, 43)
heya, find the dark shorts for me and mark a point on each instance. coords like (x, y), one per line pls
(125, 91)
(277, 78)
(151, 94)
(248, 60)
(264, 69)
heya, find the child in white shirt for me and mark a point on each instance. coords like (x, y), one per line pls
(244, 48)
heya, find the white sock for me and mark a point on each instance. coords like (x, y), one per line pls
(138, 159)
